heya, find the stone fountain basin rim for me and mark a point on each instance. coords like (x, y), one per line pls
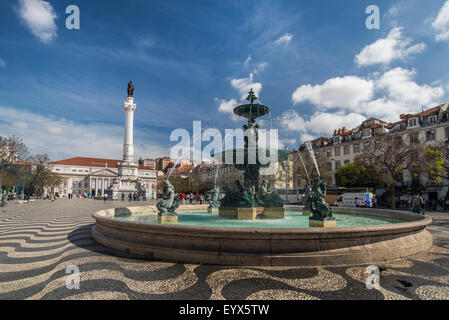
(264, 246)
(411, 221)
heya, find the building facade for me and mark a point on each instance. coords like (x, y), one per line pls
(94, 175)
(429, 127)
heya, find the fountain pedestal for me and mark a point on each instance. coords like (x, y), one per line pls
(322, 223)
(251, 213)
(167, 218)
(212, 210)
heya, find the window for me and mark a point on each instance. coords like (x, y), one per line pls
(329, 153)
(347, 162)
(337, 151)
(414, 137)
(433, 119)
(366, 133)
(366, 146)
(329, 166)
(337, 165)
(346, 149)
(356, 148)
(412, 122)
(430, 135)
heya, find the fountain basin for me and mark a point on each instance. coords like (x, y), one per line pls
(267, 246)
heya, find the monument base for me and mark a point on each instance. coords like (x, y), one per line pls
(322, 223)
(306, 213)
(212, 210)
(167, 219)
(251, 213)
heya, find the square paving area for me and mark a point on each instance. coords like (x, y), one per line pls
(38, 241)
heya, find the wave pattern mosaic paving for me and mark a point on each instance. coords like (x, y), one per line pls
(38, 242)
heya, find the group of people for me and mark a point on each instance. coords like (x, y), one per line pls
(191, 197)
(134, 196)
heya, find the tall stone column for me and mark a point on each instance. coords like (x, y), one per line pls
(128, 145)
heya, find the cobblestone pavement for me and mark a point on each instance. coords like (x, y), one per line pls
(39, 240)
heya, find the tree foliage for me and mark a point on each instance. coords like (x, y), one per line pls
(358, 174)
(391, 156)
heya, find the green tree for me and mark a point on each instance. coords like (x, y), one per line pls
(391, 156)
(357, 174)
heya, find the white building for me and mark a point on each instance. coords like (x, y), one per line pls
(117, 178)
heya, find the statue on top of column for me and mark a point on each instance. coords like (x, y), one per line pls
(130, 89)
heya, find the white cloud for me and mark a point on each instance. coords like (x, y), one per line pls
(20, 125)
(255, 68)
(338, 92)
(320, 123)
(285, 39)
(393, 11)
(2, 63)
(441, 23)
(248, 61)
(386, 50)
(243, 86)
(226, 106)
(259, 67)
(61, 138)
(39, 17)
(400, 87)
(307, 137)
(384, 96)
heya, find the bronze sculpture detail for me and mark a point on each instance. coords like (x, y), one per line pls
(130, 89)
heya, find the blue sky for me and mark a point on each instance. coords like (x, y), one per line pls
(314, 63)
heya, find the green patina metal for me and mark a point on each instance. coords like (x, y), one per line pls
(169, 204)
(252, 193)
(215, 199)
(315, 201)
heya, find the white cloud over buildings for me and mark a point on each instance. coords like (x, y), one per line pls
(441, 23)
(386, 50)
(347, 101)
(39, 17)
(60, 137)
(320, 123)
(346, 92)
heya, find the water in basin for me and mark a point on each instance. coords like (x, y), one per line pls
(293, 219)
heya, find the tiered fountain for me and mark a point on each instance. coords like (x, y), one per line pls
(252, 200)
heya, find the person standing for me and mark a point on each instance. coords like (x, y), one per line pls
(417, 203)
(105, 197)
